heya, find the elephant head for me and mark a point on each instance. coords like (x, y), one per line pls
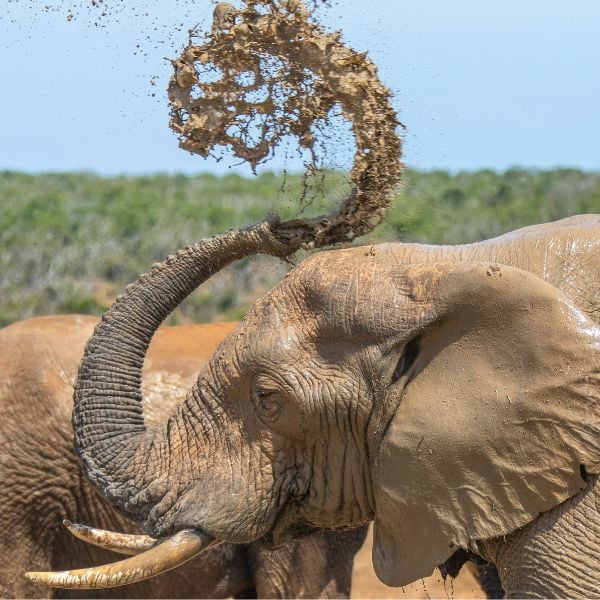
(450, 402)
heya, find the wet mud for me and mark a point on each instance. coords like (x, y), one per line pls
(269, 71)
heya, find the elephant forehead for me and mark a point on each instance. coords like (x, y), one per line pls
(383, 271)
(278, 344)
(367, 290)
(272, 330)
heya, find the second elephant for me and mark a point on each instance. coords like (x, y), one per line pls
(41, 483)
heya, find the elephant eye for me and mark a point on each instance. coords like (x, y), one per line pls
(267, 401)
(406, 361)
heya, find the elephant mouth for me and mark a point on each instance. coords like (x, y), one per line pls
(287, 526)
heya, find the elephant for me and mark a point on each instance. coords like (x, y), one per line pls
(450, 394)
(41, 484)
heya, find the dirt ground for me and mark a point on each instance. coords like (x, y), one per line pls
(366, 585)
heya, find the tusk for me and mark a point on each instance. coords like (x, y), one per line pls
(123, 543)
(166, 555)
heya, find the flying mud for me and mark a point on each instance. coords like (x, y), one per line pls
(269, 71)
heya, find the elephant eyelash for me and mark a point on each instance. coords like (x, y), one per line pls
(406, 360)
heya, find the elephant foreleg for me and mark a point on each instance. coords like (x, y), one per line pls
(490, 582)
(317, 566)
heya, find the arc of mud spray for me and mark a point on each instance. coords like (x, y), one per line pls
(275, 72)
(281, 67)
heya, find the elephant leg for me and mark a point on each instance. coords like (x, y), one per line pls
(489, 580)
(317, 566)
(558, 555)
(484, 571)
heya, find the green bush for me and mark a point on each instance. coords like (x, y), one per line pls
(69, 242)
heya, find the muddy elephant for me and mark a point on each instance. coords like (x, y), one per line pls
(41, 484)
(450, 394)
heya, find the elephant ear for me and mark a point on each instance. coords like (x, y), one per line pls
(499, 420)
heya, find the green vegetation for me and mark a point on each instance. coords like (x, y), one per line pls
(70, 242)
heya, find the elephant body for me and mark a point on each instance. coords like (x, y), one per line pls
(41, 483)
(450, 394)
(558, 555)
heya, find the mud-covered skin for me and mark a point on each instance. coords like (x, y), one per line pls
(341, 369)
(41, 483)
(558, 555)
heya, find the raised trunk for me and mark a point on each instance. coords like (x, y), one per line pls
(117, 451)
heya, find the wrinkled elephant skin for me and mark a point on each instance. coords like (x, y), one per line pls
(41, 483)
(450, 394)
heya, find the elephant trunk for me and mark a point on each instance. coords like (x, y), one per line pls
(111, 437)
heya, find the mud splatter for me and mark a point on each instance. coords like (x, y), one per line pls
(265, 74)
(268, 71)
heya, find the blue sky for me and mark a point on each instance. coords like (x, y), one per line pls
(478, 84)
